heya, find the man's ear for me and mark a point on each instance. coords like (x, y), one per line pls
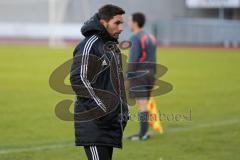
(103, 22)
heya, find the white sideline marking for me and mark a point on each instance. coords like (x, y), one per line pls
(216, 124)
(70, 144)
(36, 148)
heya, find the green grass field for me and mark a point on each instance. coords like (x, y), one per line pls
(205, 81)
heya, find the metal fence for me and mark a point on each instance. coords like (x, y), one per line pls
(197, 31)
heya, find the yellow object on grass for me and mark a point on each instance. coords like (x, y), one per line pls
(154, 120)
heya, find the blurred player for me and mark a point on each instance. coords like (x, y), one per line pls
(142, 53)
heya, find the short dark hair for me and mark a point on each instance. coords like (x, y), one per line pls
(107, 12)
(139, 18)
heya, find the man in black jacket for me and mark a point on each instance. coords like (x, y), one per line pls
(101, 109)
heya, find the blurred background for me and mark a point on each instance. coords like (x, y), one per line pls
(198, 22)
(199, 43)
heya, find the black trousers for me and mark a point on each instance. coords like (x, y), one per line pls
(98, 152)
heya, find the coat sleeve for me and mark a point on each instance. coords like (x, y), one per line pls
(81, 73)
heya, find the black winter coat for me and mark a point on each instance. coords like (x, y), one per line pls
(101, 110)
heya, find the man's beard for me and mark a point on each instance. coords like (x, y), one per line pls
(116, 35)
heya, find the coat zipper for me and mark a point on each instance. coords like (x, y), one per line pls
(118, 67)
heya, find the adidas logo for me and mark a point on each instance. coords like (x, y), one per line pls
(104, 63)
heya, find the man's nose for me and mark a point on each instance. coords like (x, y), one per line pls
(120, 29)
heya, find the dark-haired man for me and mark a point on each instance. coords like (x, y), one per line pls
(100, 110)
(142, 58)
